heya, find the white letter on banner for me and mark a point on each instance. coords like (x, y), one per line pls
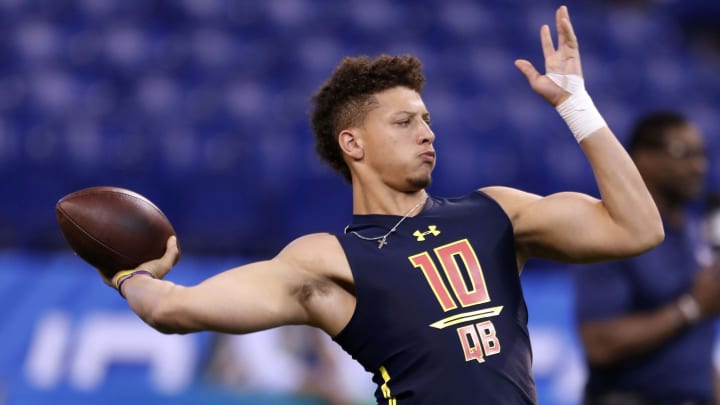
(45, 359)
(111, 337)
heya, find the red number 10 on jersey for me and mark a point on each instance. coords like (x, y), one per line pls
(450, 256)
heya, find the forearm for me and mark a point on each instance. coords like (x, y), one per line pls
(156, 303)
(612, 341)
(631, 216)
(245, 299)
(623, 192)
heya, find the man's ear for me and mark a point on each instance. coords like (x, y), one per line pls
(351, 143)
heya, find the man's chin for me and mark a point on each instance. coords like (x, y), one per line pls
(420, 183)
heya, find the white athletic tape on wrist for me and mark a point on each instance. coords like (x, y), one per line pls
(578, 111)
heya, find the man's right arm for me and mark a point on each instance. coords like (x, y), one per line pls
(611, 340)
(614, 340)
(257, 296)
(574, 227)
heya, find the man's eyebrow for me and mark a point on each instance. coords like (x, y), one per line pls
(424, 114)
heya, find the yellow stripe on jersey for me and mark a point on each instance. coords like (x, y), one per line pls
(385, 388)
(467, 316)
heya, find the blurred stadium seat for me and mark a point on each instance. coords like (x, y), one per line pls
(193, 100)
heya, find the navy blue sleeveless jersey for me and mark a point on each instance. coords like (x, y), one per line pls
(440, 315)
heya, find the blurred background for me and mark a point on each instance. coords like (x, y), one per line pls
(201, 105)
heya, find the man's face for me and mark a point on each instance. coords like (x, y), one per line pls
(398, 139)
(679, 167)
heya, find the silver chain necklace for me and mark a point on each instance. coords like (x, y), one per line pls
(382, 240)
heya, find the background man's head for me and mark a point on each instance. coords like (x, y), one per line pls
(670, 154)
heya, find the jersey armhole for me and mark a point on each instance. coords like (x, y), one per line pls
(349, 325)
(485, 196)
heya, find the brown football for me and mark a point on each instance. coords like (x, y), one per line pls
(113, 228)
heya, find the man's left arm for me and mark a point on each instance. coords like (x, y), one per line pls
(578, 228)
(571, 226)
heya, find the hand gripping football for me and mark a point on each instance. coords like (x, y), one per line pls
(113, 228)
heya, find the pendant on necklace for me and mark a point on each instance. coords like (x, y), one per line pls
(381, 243)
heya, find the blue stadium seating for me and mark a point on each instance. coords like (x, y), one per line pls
(202, 105)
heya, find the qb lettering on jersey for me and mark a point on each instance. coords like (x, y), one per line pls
(479, 340)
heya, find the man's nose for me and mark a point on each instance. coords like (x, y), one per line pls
(426, 133)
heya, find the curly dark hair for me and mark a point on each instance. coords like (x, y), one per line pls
(348, 95)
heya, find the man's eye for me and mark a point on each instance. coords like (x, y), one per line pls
(404, 123)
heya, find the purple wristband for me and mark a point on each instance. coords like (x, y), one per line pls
(129, 276)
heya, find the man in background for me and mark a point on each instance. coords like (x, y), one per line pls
(647, 323)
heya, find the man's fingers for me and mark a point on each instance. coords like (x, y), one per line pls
(546, 40)
(172, 252)
(527, 69)
(570, 38)
(171, 243)
(566, 34)
(560, 14)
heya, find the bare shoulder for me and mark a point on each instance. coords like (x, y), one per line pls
(312, 245)
(318, 253)
(510, 199)
(326, 288)
(517, 203)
